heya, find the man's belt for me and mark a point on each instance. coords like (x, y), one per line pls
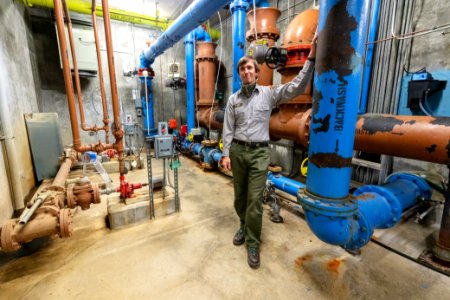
(251, 144)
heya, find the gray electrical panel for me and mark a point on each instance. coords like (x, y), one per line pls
(163, 146)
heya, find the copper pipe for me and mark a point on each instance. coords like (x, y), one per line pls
(210, 117)
(63, 172)
(118, 132)
(100, 73)
(207, 69)
(76, 74)
(292, 123)
(417, 137)
(268, 33)
(67, 75)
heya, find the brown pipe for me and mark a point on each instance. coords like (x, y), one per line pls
(118, 132)
(100, 73)
(417, 137)
(76, 74)
(67, 75)
(442, 247)
(63, 173)
(207, 71)
(267, 33)
(211, 118)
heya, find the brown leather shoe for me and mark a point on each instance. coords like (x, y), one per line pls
(253, 257)
(239, 237)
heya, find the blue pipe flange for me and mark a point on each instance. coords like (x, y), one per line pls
(236, 4)
(421, 183)
(211, 156)
(394, 203)
(330, 208)
(363, 234)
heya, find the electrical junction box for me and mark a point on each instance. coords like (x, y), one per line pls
(163, 128)
(174, 70)
(83, 36)
(413, 92)
(196, 131)
(163, 146)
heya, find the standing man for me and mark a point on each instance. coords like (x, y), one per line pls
(246, 144)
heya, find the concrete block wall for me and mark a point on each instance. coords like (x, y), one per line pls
(18, 94)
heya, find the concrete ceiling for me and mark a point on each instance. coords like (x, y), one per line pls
(167, 8)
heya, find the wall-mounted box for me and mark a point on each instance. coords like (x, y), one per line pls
(86, 55)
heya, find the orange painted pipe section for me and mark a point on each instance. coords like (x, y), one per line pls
(76, 74)
(118, 131)
(207, 71)
(100, 73)
(209, 117)
(267, 33)
(416, 137)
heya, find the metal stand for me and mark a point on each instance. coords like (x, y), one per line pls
(150, 177)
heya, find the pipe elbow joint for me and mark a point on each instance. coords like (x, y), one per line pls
(335, 222)
(144, 62)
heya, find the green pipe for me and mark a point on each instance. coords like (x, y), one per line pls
(84, 7)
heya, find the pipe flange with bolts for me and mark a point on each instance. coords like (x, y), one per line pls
(7, 240)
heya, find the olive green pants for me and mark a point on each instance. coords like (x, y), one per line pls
(249, 168)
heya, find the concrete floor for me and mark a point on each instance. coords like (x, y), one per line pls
(190, 255)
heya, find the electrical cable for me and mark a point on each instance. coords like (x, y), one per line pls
(411, 34)
(423, 105)
(254, 21)
(218, 72)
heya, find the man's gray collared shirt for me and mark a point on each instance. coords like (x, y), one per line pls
(247, 119)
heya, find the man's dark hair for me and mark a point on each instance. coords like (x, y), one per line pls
(245, 59)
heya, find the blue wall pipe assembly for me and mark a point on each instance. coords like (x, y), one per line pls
(149, 122)
(209, 155)
(238, 11)
(333, 215)
(369, 56)
(285, 184)
(198, 12)
(198, 34)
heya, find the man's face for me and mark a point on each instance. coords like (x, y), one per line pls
(248, 73)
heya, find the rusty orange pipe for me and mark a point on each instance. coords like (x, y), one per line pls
(417, 137)
(76, 74)
(118, 131)
(100, 73)
(69, 84)
(268, 33)
(211, 118)
(66, 72)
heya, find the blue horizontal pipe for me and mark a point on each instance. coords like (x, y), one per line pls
(217, 156)
(285, 184)
(198, 12)
(351, 224)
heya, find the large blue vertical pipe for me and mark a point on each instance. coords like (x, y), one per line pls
(238, 11)
(198, 34)
(369, 56)
(342, 27)
(189, 44)
(149, 121)
(198, 12)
